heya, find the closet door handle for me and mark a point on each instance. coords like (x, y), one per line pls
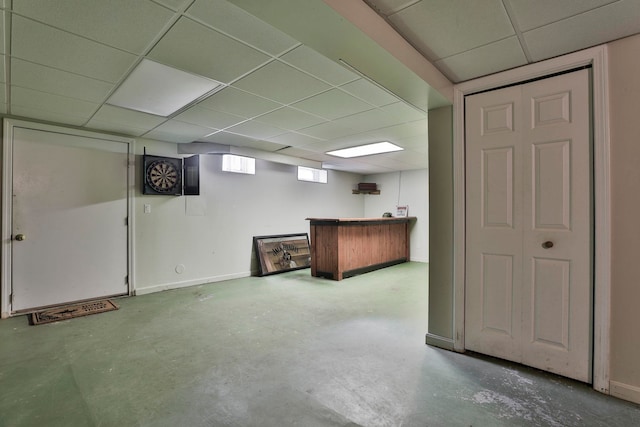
(547, 245)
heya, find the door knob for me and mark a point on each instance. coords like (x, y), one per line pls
(547, 245)
(20, 237)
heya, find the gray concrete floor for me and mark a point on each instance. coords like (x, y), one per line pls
(282, 350)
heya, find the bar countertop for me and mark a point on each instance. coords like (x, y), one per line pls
(360, 220)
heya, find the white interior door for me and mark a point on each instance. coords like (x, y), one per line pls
(529, 229)
(494, 224)
(69, 211)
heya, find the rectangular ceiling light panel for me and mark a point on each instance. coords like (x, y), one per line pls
(157, 89)
(365, 150)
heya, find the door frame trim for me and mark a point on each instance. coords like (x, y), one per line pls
(6, 309)
(596, 57)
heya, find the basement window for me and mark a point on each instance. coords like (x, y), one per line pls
(238, 164)
(312, 175)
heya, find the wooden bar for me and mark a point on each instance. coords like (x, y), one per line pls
(344, 247)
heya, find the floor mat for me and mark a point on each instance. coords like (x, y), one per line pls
(71, 311)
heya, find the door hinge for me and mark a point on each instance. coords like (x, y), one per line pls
(10, 299)
(126, 221)
(126, 279)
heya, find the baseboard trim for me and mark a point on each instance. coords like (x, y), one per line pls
(438, 341)
(624, 391)
(177, 285)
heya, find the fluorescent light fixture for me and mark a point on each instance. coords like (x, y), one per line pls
(238, 164)
(366, 150)
(312, 175)
(157, 89)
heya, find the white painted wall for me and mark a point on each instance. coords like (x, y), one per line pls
(210, 237)
(190, 240)
(403, 188)
(624, 80)
(441, 327)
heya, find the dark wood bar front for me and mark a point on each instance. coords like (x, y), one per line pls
(344, 247)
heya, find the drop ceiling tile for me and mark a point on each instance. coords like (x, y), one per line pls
(443, 28)
(328, 130)
(159, 89)
(320, 66)
(405, 130)
(367, 120)
(241, 25)
(532, 14)
(391, 160)
(488, 59)
(2, 21)
(588, 29)
(179, 132)
(47, 115)
(121, 118)
(174, 4)
(45, 45)
(50, 116)
(131, 131)
(354, 166)
(27, 98)
(332, 104)
(208, 118)
(190, 46)
(403, 112)
(290, 119)
(230, 139)
(51, 80)
(408, 157)
(356, 139)
(315, 151)
(304, 154)
(295, 139)
(369, 92)
(281, 83)
(388, 7)
(262, 145)
(256, 130)
(418, 143)
(125, 24)
(234, 101)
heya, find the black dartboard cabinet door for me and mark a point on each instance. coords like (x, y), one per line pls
(170, 176)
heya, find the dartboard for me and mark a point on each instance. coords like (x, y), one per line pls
(163, 176)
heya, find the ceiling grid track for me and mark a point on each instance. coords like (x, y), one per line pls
(516, 28)
(287, 83)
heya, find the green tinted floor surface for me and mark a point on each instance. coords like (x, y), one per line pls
(281, 350)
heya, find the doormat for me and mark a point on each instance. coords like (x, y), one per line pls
(71, 311)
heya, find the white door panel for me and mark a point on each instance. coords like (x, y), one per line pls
(529, 224)
(557, 302)
(70, 203)
(494, 215)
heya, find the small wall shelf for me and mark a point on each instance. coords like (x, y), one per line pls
(376, 192)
